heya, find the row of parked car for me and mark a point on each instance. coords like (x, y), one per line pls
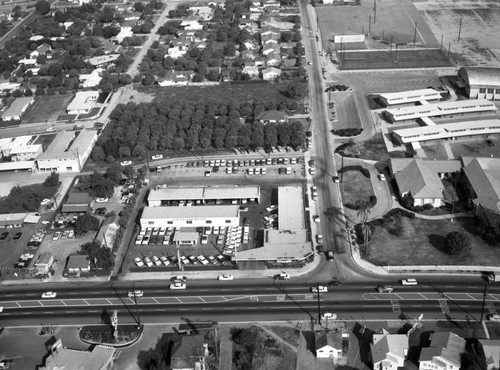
(163, 261)
(37, 238)
(24, 260)
(66, 234)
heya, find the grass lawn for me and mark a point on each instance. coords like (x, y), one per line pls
(374, 149)
(355, 187)
(217, 94)
(91, 114)
(420, 242)
(477, 148)
(47, 107)
(27, 198)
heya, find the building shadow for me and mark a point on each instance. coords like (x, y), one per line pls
(364, 336)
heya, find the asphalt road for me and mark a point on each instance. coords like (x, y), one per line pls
(263, 300)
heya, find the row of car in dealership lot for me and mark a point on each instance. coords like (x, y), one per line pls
(171, 261)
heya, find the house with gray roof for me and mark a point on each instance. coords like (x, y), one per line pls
(272, 116)
(420, 180)
(491, 349)
(188, 353)
(482, 182)
(389, 351)
(444, 353)
(329, 345)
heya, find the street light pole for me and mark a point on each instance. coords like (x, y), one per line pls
(319, 305)
(484, 300)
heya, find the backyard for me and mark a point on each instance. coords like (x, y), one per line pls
(403, 241)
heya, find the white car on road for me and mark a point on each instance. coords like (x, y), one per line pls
(177, 286)
(319, 289)
(225, 277)
(329, 316)
(49, 295)
(135, 293)
(126, 163)
(158, 156)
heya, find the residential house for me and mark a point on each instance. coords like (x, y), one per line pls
(271, 73)
(273, 60)
(259, 61)
(107, 233)
(269, 33)
(92, 79)
(188, 353)
(251, 71)
(421, 180)
(178, 48)
(389, 351)
(187, 36)
(248, 55)
(329, 345)
(16, 109)
(192, 23)
(482, 183)
(44, 263)
(270, 48)
(271, 21)
(36, 38)
(491, 349)
(27, 62)
(125, 31)
(176, 78)
(102, 60)
(444, 352)
(109, 47)
(78, 264)
(249, 45)
(83, 102)
(43, 49)
(272, 116)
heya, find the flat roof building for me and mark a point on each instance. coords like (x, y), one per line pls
(288, 244)
(67, 152)
(91, 80)
(99, 358)
(12, 219)
(480, 82)
(20, 148)
(205, 216)
(440, 109)
(163, 195)
(83, 102)
(17, 108)
(447, 131)
(411, 96)
(103, 59)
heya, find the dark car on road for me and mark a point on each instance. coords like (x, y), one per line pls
(18, 236)
(4, 235)
(334, 283)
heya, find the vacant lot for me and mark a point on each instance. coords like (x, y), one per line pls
(240, 92)
(479, 43)
(395, 19)
(422, 243)
(47, 108)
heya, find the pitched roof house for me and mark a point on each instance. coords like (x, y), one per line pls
(444, 352)
(491, 349)
(188, 353)
(482, 180)
(43, 49)
(414, 177)
(272, 116)
(271, 73)
(389, 351)
(329, 345)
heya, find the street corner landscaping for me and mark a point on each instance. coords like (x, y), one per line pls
(356, 187)
(124, 335)
(400, 240)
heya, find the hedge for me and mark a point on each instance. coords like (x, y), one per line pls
(347, 132)
(361, 169)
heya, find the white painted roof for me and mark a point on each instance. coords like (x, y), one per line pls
(290, 208)
(198, 212)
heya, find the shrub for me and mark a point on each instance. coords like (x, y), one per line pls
(457, 243)
(399, 212)
(347, 132)
(361, 169)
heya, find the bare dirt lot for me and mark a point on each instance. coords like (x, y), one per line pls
(479, 43)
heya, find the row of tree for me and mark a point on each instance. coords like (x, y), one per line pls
(136, 129)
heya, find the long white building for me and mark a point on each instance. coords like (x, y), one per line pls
(411, 96)
(197, 216)
(164, 195)
(440, 109)
(447, 131)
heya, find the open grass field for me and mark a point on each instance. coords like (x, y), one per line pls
(422, 243)
(355, 187)
(479, 43)
(394, 19)
(47, 108)
(225, 92)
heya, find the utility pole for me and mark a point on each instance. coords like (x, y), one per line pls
(369, 24)
(459, 29)
(319, 304)
(484, 300)
(441, 47)
(374, 11)
(415, 34)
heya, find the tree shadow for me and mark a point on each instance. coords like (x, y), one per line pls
(437, 241)
(364, 338)
(159, 356)
(105, 317)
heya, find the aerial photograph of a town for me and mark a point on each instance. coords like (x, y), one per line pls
(250, 184)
